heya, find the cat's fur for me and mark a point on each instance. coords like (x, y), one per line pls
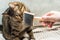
(13, 27)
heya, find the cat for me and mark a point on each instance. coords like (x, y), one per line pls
(12, 20)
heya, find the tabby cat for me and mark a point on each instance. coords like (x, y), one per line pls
(12, 20)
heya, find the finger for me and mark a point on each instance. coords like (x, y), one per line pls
(47, 23)
(46, 18)
(51, 19)
(51, 24)
(48, 14)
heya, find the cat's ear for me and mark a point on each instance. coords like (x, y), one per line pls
(25, 9)
(6, 12)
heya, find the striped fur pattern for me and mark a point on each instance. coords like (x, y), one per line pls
(13, 22)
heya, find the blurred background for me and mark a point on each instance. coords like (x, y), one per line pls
(39, 7)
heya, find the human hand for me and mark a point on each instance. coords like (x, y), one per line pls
(50, 18)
